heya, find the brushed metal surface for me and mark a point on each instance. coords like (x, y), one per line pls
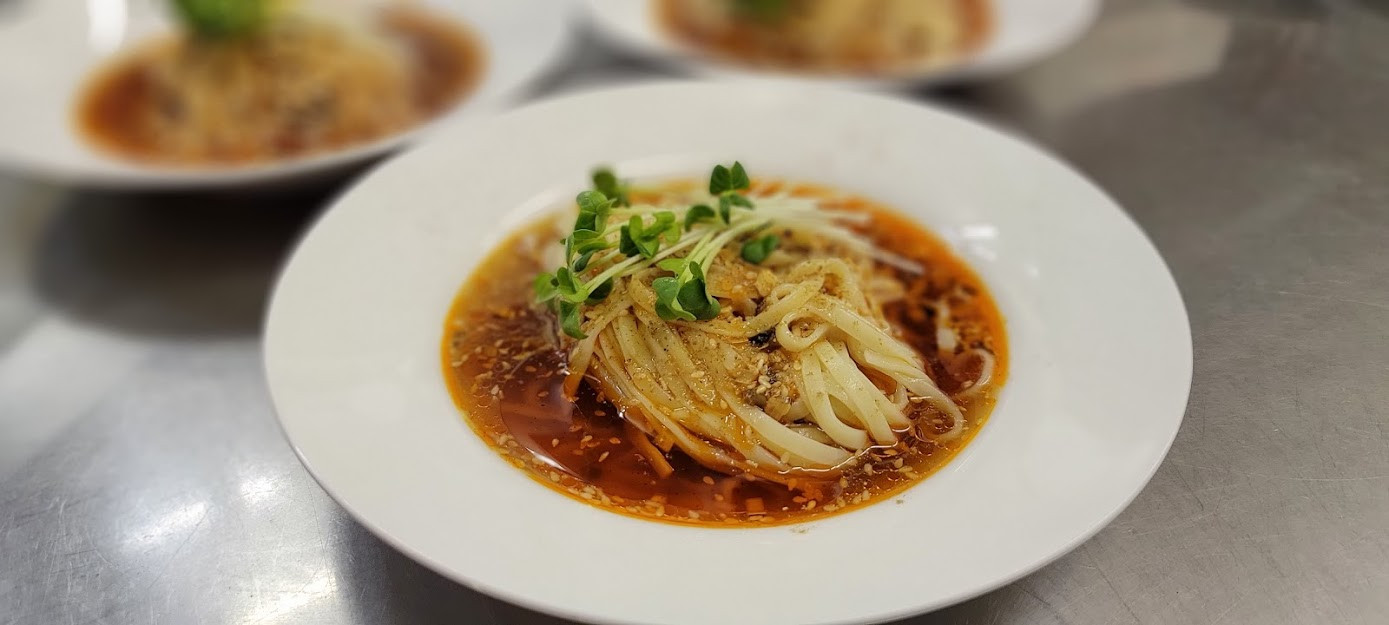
(143, 478)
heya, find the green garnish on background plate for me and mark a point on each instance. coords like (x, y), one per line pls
(223, 19)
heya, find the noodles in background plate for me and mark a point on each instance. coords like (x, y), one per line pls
(306, 78)
(835, 36)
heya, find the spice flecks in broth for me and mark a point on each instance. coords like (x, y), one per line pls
(505, 367)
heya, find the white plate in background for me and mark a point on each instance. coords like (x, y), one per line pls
(49, 48)
(1099, 344)
(1023, 32)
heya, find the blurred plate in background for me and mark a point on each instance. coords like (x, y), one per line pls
(1017, 32)
(49, 50)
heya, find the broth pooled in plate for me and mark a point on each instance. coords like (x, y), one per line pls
(737, 352)
(870, 37)
(260, 80)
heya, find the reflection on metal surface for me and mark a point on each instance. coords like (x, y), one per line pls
(33, 412)
(1141, 46)
(170, 525)
(106, 24)
(285, 604)
(258, 490)
(1362, 27)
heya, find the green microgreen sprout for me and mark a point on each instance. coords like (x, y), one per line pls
(606, 182)
(612, 239)
(725, 184)
(640, 238)
(757, 250)
(697, 214)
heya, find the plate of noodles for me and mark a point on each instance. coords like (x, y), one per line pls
(857, 42)
(185, 93)
(812, 356)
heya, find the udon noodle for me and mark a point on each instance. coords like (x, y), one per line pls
(848, 361)
(837, 382)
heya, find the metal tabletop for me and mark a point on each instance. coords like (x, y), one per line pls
(144, 479)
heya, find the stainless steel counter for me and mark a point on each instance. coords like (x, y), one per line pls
(145, 479)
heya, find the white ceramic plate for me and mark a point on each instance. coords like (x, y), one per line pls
(48, 48)
(1099, 346)
(1024, 31)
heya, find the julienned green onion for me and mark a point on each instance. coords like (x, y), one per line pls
(612, 239)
